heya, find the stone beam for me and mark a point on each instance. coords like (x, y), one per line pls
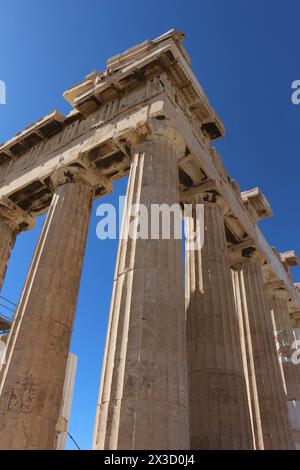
(256, 204)
(41, 130)
(90, 135)
(165, 53)
(289, 259)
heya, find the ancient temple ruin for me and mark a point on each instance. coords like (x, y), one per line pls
(193, 368)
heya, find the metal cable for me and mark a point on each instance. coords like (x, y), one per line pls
(72, 438)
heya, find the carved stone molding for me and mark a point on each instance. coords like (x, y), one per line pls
(13, 213)
(87, 174)
(277, 289)
(207, 194)
(237, 253)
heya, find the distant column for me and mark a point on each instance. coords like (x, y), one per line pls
(32, 384)
(12, 221)
(284, 336)
(294, 412)
(265, 389)
(143, 394)
(219, 413)
(65, 414)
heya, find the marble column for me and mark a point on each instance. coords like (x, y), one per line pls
(32, 383)
(12, 221)
(284, 339)
(294, 412)
(265, 390)
(143, 393)
(218, 410)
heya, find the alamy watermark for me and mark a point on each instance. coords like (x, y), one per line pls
(152, 222)
(2, 353)
(2, 92)
(295, 96)
(282, 342)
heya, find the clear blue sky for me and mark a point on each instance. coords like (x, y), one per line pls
(245, 54)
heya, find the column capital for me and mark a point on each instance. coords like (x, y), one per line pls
(289, 259)
(87, 174)
(243, 251)
(295, 317)
(158, 130)
(277, 289)
(256, 204)
(12, 213)
(208, 195)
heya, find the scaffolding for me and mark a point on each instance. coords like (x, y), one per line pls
(5, 323)
(6, 319)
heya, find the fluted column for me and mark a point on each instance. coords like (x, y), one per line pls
(265, 389)
(143, 393)
(12, 221)
(295, 406)
(219, 413)
(32, 383)
(284, 337)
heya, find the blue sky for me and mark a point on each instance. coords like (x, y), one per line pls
(245, 54)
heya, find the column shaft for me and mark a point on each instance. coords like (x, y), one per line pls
(13, 220)
(290, 372)
(32, 382)
(266, 396)
(283, 330)
(143, 394)
(8, 233)
(219, 413)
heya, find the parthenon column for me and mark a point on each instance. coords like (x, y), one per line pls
(32, 383)
(285, 338)
(295, 421)
(219, 413)
(265, 390)
(283, 331)
(12, 221)
(143, 393)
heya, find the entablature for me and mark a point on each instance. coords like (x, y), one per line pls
(132, 69)
(256, 204)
